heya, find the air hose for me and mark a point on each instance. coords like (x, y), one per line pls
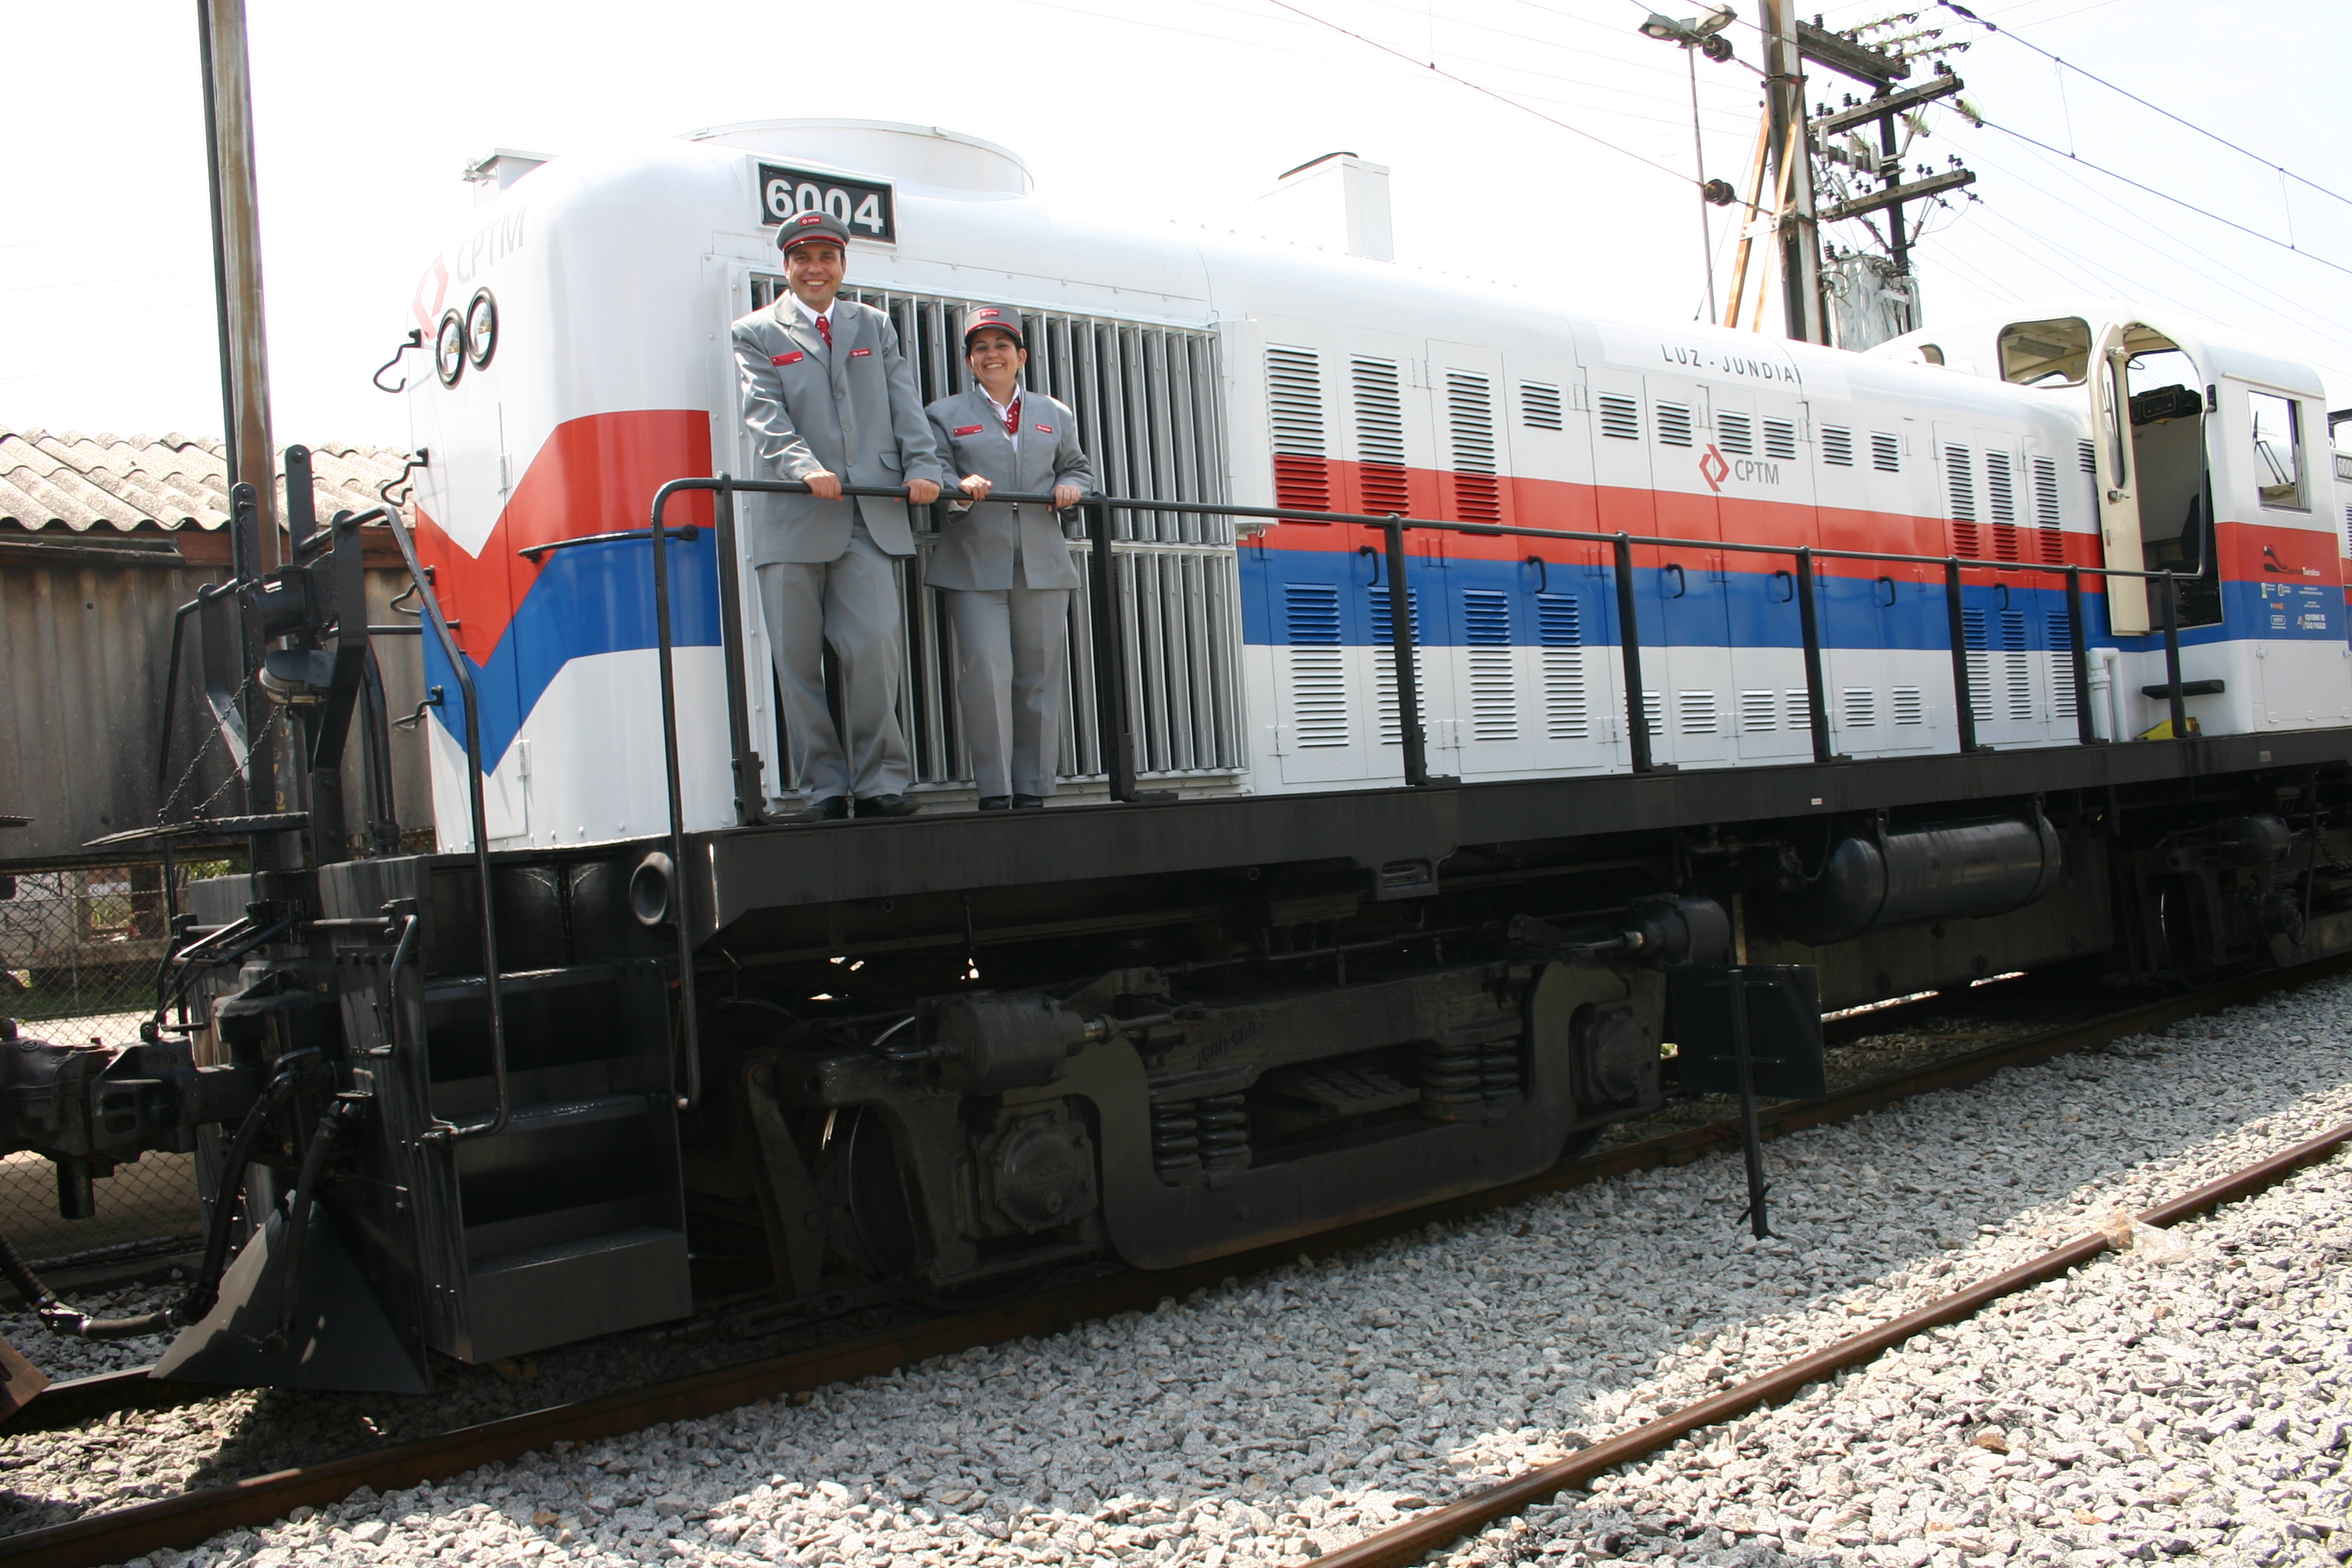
(60, 1318)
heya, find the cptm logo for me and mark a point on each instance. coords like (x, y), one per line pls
(1714, 467)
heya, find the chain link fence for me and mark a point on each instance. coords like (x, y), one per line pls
(80, 949)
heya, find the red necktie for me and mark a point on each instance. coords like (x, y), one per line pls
(1013, 416)
(825, 330)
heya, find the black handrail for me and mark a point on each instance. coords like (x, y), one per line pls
(444, 1131)
(1115, 727)
(681, 880)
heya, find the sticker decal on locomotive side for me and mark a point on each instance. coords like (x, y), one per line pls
(1715, 467)
(862, 206)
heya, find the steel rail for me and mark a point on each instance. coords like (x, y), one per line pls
(1416, 1538)
(184, 1522)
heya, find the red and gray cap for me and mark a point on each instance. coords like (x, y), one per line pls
(1003, 318)
(801, 228)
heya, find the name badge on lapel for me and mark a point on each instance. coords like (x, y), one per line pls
(1044, 429)
(969, 429)
(859, 354)
(792, 358)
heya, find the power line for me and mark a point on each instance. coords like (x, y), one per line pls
(2212, 135)
(1488, 91)
(2162, 196)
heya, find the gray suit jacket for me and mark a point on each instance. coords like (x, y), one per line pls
(852, 411)
(975, 548)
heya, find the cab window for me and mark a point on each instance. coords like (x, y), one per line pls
(2278, 453)
(2046, 353)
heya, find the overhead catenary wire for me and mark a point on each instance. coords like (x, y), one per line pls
(2023, 42)
(2244, 288)
(2166, 196)
(1489, 92)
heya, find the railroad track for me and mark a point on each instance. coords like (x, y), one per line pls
(116, 1535)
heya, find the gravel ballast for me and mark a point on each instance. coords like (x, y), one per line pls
(1273, 1420)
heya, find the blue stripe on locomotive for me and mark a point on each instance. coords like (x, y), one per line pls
(1304, 597)
(588, 600)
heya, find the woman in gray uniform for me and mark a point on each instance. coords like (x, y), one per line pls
(1003, 566)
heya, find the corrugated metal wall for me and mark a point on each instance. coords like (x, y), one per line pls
(85, 648)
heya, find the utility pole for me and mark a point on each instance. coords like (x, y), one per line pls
(236, 264)
(1792, 174)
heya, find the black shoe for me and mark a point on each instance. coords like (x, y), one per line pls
(996, 803)
(833, 808)
(1028, 802)
(887, 806)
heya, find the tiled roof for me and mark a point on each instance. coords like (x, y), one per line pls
(66, 480)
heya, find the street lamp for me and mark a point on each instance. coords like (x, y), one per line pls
(1699, 36)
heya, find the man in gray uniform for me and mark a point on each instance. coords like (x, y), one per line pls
(1002, 566)
(829, 401)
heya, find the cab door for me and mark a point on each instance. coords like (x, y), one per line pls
(2117, 481)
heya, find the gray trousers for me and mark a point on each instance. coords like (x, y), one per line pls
(851, 602)
(1012, 657)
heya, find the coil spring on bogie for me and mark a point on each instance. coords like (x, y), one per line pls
(1461, 1077)
(1225, 1132)
(1175, 1142)
(1498, 1071)
(1452, 1081)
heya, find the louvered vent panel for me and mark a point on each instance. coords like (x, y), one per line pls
(1470, 419)
(1318, 671)
(2084, 455)
(1858, 707)
(1780, 440)
(2347, 527)
(2061, 665)
(1654, 712)
(1560, 631)
(1798, 707)
(1910, 705)
(1539, 406)
(1734, 433)
(1379, 436)
(1674, 425)
(1759, 712)
(1493, 682)
(1697, 713)
(1293, 390)
(1979, 663)
(2017, 667)
(1621, 417)
(1885, 452)
(2000, 501)
(1960, 491)
(1837, 447)
(2052, 540)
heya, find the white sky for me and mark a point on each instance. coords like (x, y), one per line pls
(1180, 109)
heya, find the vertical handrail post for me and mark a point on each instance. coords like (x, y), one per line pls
(1629, 648)
(1808, 623)
(751, 790)
(1113, 727)
(1963, 709)
(429, 611)
(2179, 703)
(2078, 646)
(681, 880)
(1401, 644)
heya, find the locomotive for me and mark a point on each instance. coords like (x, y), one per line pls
(1453, 668)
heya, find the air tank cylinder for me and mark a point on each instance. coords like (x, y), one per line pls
(1957, 871)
